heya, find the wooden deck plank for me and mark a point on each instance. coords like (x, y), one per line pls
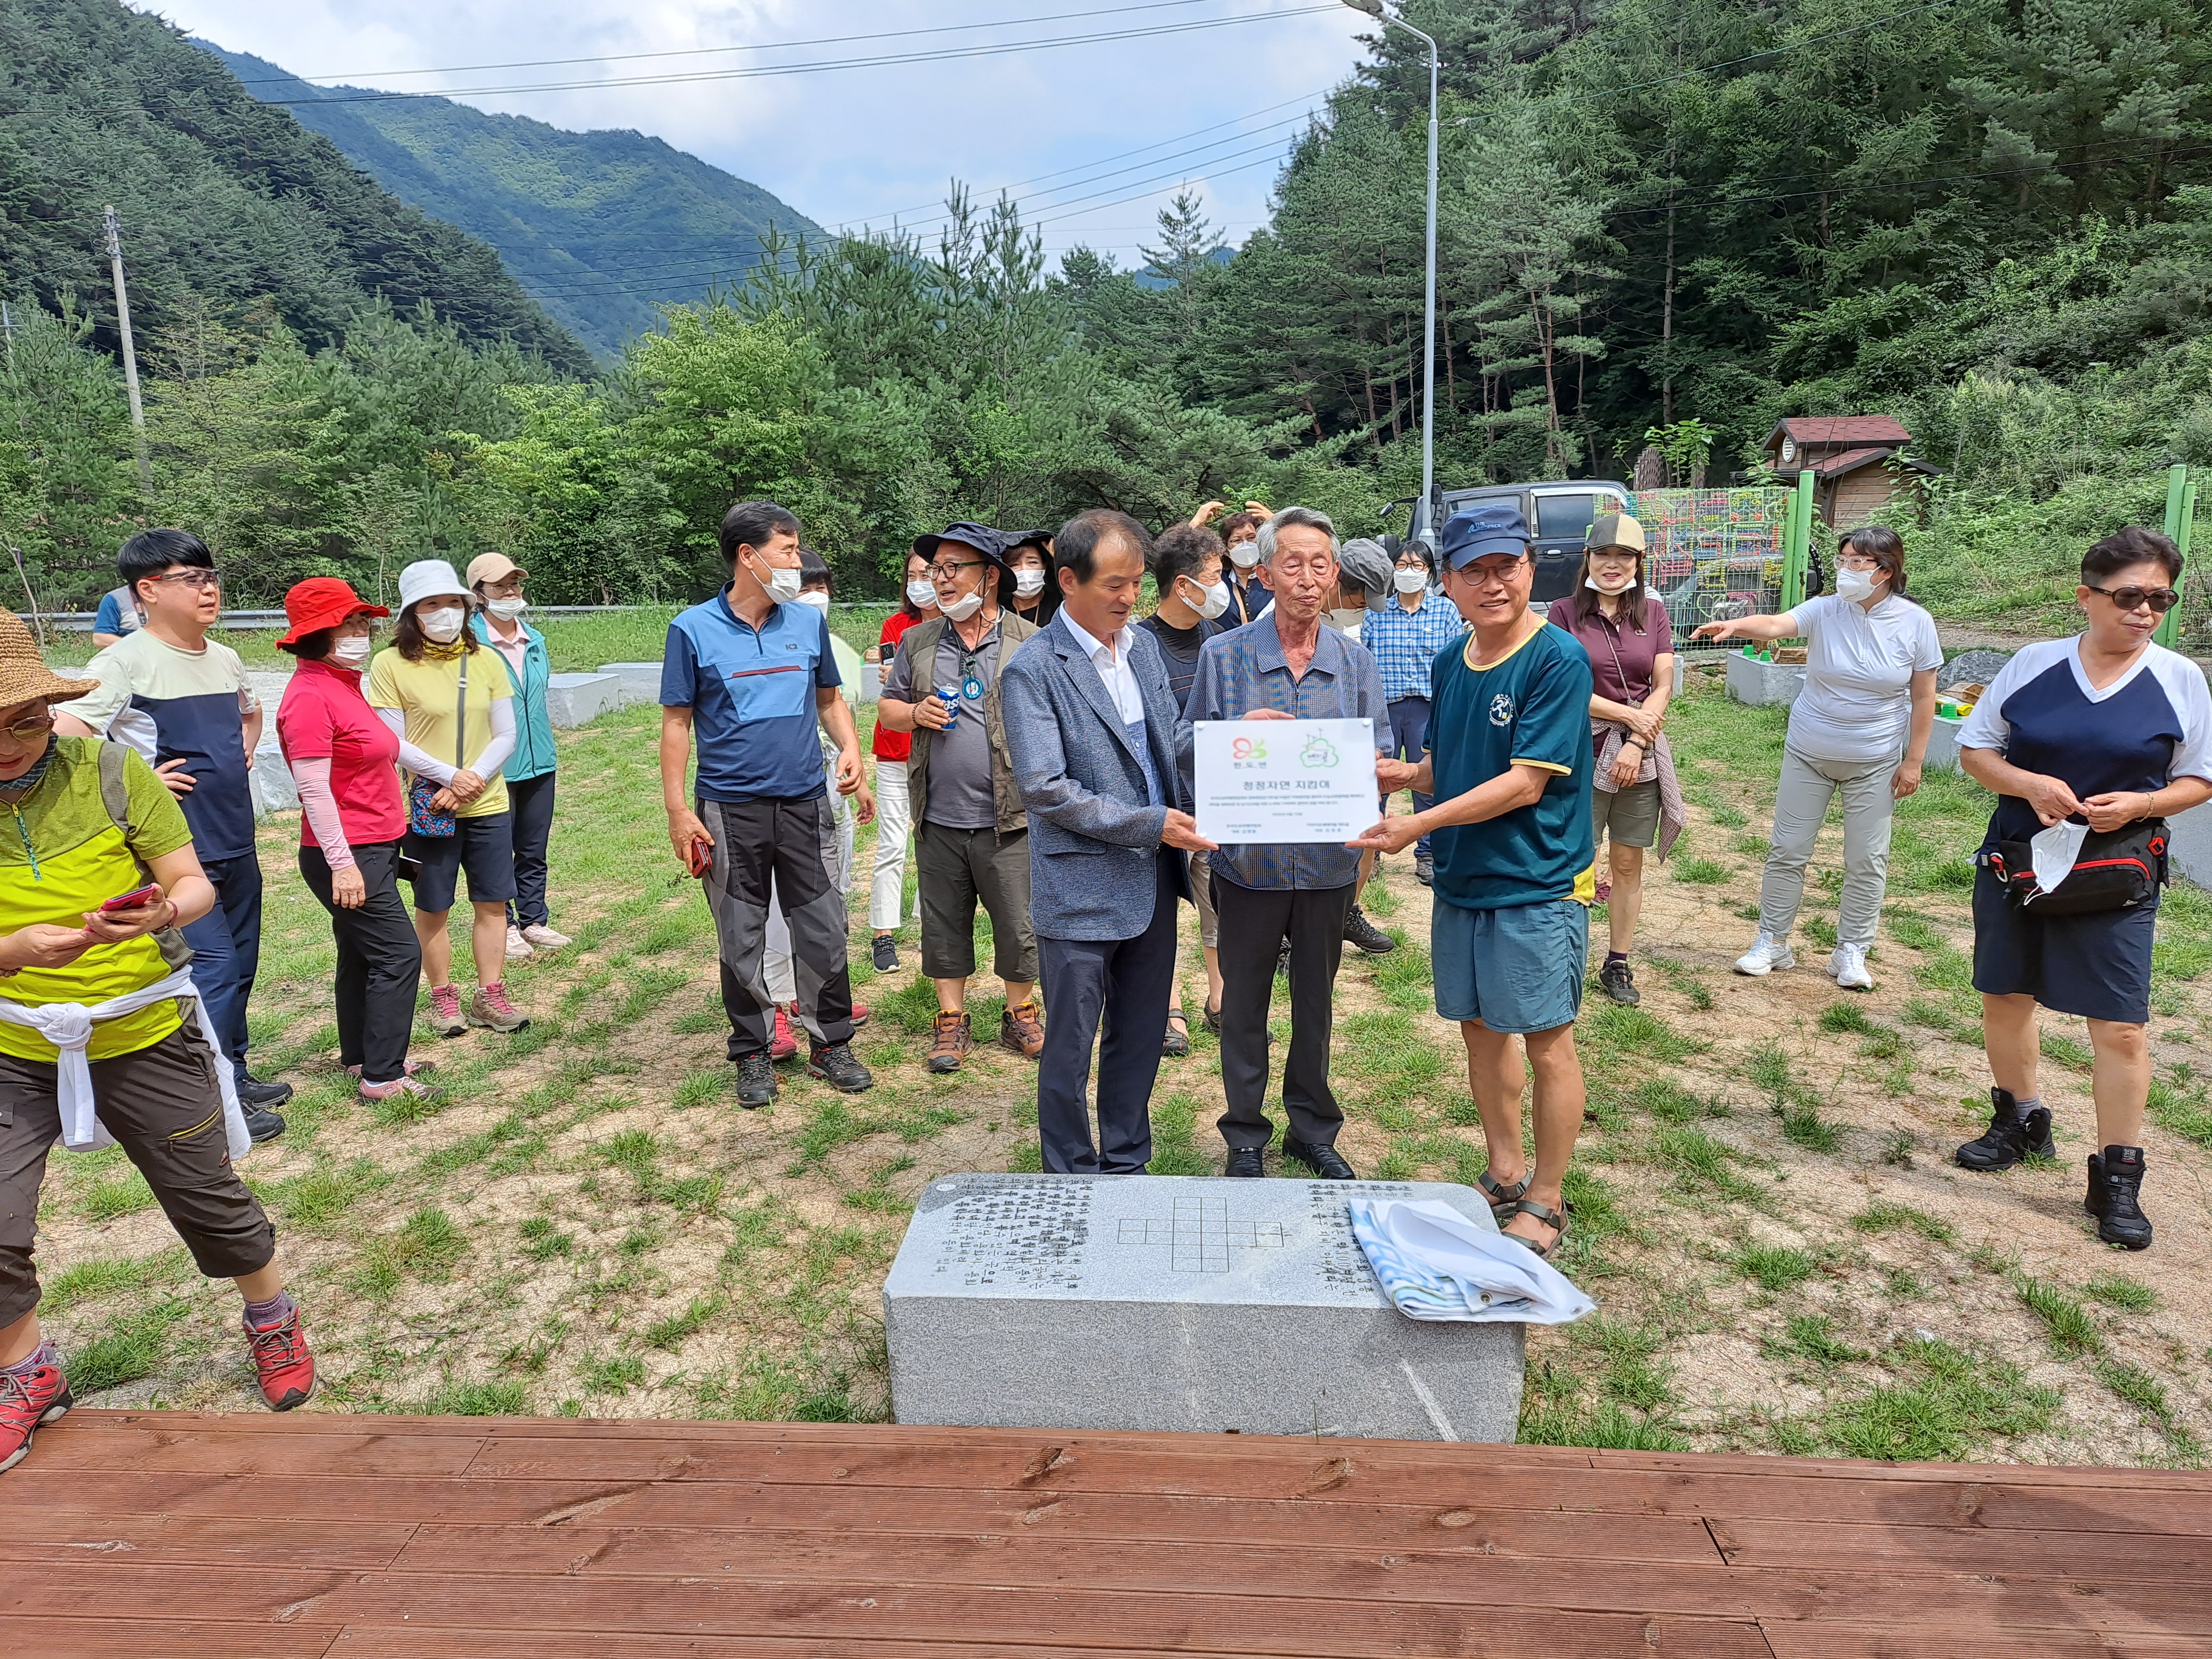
(140, 1638)
(1859, 1548)
(30, 1533)
(1901, 1639)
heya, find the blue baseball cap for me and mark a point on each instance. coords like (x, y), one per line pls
(1493, 528)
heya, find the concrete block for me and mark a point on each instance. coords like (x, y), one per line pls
(573, 699)
(640, 681)
(1943, 744)
(872, 680)
(1151, 1302)
(1763, 683)
(2189, 848)
(270, 780)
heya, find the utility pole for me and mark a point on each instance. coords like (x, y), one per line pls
(129, 356)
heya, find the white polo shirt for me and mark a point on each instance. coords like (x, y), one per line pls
(1859, 663)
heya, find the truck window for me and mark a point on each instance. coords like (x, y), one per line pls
(1564, 518)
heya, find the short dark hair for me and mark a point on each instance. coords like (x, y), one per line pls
(1236, 521)
(1881, 544)
(310, 647)
(1076, 547)
(150, 552)
(753, 523)
(1179, 551)
(812, 568)
(2131, 546)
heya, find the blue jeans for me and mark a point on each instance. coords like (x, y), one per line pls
(1409, 739)
(227, 951)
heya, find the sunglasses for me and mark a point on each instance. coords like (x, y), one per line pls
(2160, 599)
(28, 732)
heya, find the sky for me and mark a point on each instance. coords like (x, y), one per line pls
(865, 145)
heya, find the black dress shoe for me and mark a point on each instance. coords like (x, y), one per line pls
(1244, 1161)
(1323, 1161)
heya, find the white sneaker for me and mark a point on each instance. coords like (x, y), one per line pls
(516, 944)
(544, 937)
(1847, 967)
(1766, 954)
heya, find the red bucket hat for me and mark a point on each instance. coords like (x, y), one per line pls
(322, 601)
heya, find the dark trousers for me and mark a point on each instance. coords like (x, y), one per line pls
(227, 951)
(531, 801)
(380, 959)
(1252, 923)
(1128, 982)
(1409, 738)
(794, 842)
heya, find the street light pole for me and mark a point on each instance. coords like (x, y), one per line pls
(1373, 8)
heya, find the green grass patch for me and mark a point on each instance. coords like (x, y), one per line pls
(119, 1195)
(1947, 1406)
(1775, 1267)
(2072, 1331)
(91, 1281)
(477, 1399)
(1636, 1032)
(2119, 1290)
(1813, 1336)
(1699, 1161)
(131, 1349)
(1888, 1217)
(1607, 1425)
(1700, 873)
(427, 1246)
(668, 1332)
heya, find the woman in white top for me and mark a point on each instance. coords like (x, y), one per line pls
(1860, 726)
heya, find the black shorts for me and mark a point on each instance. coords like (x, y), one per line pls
(483, 847)
(2097, 966)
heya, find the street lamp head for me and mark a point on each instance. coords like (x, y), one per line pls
(1372, 7)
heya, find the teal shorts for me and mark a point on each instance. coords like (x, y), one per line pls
(1516, 969)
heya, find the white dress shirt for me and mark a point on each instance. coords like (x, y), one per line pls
(1111, 658)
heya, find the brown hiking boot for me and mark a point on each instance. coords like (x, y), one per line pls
(1022, 1029)
(949, 1043)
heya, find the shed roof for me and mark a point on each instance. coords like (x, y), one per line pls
(1840, 430)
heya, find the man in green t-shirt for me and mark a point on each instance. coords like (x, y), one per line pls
(1509, 751)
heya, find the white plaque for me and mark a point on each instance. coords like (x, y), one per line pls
(1278, 782)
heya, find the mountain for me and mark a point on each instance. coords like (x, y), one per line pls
(225, 202)
(599, 225)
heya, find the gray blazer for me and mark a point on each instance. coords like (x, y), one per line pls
(1094, 836)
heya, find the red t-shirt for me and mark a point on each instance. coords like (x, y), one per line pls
(324, 716)
(893, 745)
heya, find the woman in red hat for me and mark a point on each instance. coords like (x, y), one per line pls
(352, 816)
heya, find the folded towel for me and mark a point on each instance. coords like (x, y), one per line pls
(1434, 1263)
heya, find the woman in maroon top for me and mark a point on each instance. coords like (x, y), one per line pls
(1634, 800)
(352, 816)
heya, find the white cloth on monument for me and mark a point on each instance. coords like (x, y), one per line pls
(1434, 1263)
(68, 1026)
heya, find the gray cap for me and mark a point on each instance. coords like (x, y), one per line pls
(1366, 565)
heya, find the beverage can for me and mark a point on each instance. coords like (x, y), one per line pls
(952, 700)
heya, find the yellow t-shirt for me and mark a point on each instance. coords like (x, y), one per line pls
(429, 691)
(62, 855)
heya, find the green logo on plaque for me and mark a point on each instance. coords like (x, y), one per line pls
(1319, 754)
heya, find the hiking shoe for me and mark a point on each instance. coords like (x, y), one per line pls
(783, 1042)
(885, 954)
(517, 947)
(1424, 870)
(1766, 954)
(755, 1080)
(252, 1091)
(1363, 934)
(949, 1040)
(2115, 1187)
(1847, 967)
(859, 1016)
(2012, 1135)
(539, 937)
(1021, 1030)
(261, 1123)
(834, 1063)
(281, 1363)
(1618, 980)
(414, 1067)
(428, 1094)
(28, 1401)
(489, 1006)
(446, 1012)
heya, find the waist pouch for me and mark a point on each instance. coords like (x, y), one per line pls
(2116, 870)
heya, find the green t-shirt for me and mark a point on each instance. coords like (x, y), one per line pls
(1531, 707)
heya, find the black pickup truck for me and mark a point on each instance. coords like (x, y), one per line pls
(1558, 515)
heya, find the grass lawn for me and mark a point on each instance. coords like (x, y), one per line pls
(1784, 1258)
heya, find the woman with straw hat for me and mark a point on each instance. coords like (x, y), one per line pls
(94, 1047)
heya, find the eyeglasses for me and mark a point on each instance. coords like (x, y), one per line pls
(1497, 574)
(2160, 599)
(946, 573)
(28, 732)
(210, 578)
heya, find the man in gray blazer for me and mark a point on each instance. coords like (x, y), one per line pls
(1091, 725)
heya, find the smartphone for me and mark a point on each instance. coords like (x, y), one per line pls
(137, 901)
(699, 855)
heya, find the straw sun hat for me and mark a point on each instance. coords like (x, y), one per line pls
(24, 676)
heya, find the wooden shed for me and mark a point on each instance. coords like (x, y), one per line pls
(1850, 458)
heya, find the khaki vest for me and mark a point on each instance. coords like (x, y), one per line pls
(919, 643)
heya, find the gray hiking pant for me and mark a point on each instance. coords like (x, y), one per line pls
(794, 844)
(1800, 802)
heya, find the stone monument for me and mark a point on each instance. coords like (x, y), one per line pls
(1152, 1302)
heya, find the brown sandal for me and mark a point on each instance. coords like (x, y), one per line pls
(1502, 1199)
(1550, 1218)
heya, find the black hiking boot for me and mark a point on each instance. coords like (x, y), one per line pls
(755, 1080)
(2012, 1135)
(835, 1064)
(1363, 934)
(1618, 980)
(2115, 1185)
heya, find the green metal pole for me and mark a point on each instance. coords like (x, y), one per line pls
(2180, 524)
(1797, 539)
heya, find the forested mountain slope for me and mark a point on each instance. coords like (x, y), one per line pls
(599, 225)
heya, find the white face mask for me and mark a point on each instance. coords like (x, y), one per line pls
(1215, 602)
(1245, 555)
(1029, 583)
(817, 599)
(350, 652)
(442, 626)
(782, 584)
(1409, 581)
(507, 609)
(1609, 584)
(1855, 585)
(1348, 620)
(965, 606)
(922, 592)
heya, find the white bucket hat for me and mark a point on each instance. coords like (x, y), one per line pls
(428, 579)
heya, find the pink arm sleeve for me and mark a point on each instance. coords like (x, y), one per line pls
(321, 808)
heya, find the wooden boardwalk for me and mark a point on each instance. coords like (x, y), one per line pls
(138, 1536)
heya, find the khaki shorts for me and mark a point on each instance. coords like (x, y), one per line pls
(1201, 891)
(1630, 816)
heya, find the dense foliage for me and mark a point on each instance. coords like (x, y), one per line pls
(601, 228)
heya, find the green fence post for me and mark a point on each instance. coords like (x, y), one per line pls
(1797, 539)
(2180, 515)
